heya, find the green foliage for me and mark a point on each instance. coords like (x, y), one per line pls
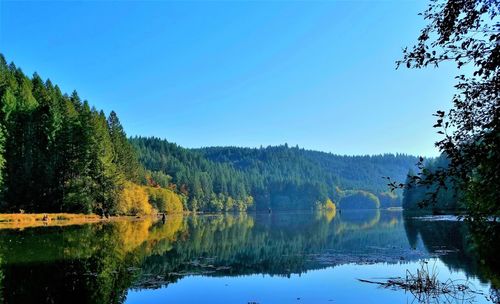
(2, 151)
(165, 200)
(276, 177)
(359, 199)
(77, 198)
(207, 185)
(125, 157)
(465, 33)
(448, 198)
(56, 153)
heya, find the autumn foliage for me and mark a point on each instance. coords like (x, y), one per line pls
(165, 200)
(143, 200)
(134, 200)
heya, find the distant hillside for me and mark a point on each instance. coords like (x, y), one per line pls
(419, 196)
(59, 154)
(278, 177)
(347, 172)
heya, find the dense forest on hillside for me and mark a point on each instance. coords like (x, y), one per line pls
(278, 177)
(59, 154)
(208, 186)
(447, 196)
(347, 172)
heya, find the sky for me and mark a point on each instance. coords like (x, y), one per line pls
(318, 74)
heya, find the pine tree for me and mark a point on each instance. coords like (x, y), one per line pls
(109, 179)
(125, 156)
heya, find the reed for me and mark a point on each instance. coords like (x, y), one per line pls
(426, 287)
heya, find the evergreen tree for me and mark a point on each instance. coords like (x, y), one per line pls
(125, 156)
(56, 153)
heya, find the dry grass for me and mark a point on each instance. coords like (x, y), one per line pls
(24, 220)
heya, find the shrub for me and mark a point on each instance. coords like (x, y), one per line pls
(133, 200)
(329, 205)
(165, 200)
(359, 200)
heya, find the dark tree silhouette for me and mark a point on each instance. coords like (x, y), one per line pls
(467, 33)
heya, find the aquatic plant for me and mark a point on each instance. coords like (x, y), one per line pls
(426, 287)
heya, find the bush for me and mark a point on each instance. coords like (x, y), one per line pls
(329, 205)
(359, 200)
(165, 200)
(133, 200)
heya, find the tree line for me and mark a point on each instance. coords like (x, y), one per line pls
(277, 177)
(447, 195)
(465, 34)
(59, 154)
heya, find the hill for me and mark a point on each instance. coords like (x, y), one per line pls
(60, 154)
(277, 177)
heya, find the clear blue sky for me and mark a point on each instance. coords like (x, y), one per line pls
(317, 74)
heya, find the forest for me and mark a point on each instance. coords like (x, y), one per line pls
(276, 177)
(59, 154)
(447, 196)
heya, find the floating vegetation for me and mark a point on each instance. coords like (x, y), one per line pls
(425, 286)
(371, 255)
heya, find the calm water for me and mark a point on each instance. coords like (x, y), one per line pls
(245, 258)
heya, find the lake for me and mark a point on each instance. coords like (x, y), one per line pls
(287, 257)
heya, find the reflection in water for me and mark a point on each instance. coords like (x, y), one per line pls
(457, 246)
(359, 220)
(99, 263)
(1, 281)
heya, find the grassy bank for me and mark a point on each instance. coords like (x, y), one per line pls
(26, 220)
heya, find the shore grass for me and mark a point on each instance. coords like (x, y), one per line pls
(25, 220)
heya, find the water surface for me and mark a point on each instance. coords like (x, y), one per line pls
(295, 257)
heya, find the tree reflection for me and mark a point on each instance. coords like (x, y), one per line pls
(101, 262)
(458, 245)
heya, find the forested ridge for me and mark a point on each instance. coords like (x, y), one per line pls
(347, 172)
(448, 198)
(278, 177)
(59, 154)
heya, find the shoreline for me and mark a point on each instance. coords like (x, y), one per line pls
(30, 220)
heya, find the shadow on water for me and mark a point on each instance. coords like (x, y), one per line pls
(458, 245)
(99, 263)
